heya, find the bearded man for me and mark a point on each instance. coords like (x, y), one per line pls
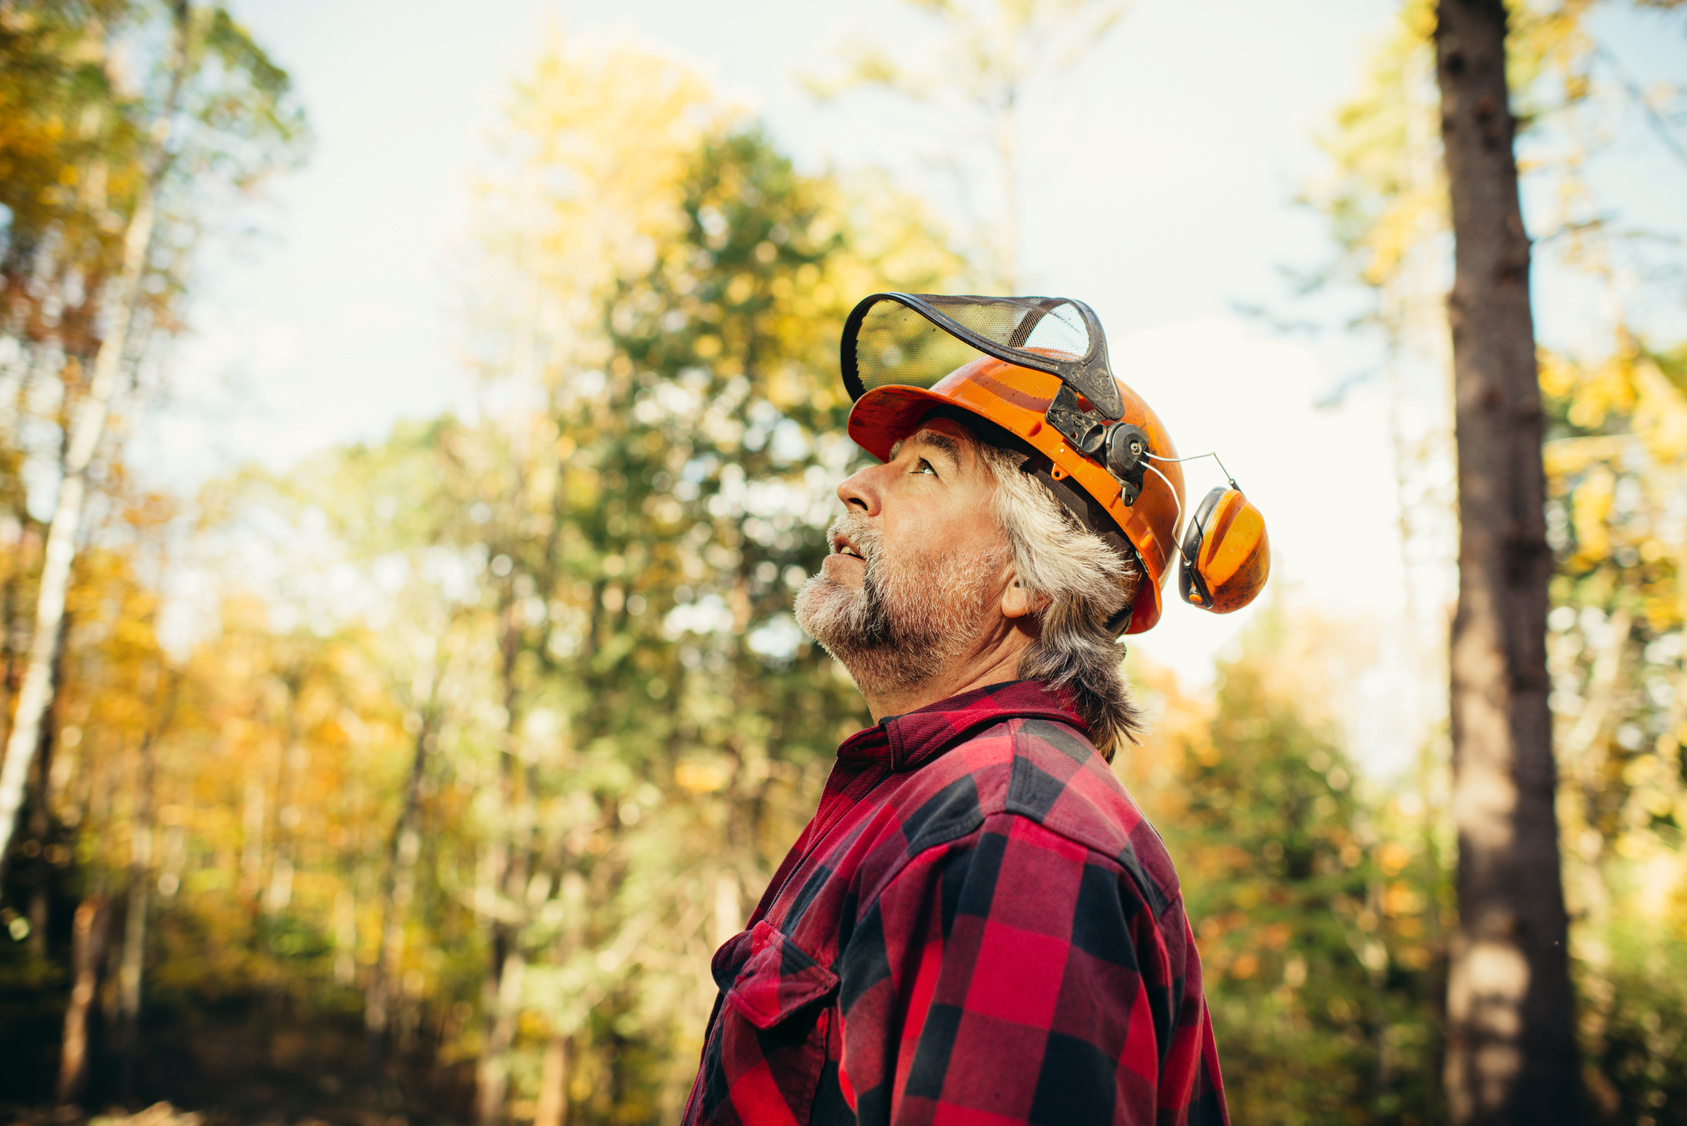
(978, 925)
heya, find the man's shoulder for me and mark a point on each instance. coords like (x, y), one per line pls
(1043, 771)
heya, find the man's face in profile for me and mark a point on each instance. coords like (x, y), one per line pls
(917, 563)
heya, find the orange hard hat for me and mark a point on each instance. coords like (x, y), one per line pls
(1036, 367)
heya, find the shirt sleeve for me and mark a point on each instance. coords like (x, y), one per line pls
(1011, 977)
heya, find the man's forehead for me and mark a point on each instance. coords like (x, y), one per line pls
(944, 435)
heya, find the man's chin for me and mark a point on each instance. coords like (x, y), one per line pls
(821, 608)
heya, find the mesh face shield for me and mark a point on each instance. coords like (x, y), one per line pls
(914, 340)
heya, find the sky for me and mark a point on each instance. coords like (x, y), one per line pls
(1159, 184)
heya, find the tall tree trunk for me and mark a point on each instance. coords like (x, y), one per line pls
(87, 426)
(1511, 1053)
(87, 949)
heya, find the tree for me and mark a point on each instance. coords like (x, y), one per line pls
(649, 516)
(216, 112)
(993, 55)
(1512, 1055)
(1314, 896)
(1616, 461)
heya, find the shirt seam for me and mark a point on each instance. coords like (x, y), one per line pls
(896, 872)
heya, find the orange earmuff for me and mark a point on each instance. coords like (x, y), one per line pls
(1226, 555)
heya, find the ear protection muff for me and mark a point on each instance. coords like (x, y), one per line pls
(1226, 554)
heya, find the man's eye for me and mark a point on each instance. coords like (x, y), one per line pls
(924, 466)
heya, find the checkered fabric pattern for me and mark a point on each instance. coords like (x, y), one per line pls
(978, 926)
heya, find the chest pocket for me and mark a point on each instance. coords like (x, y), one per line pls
(769, 1047)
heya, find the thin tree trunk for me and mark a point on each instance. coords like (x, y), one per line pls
(345, 933)
(1511, 1053)
(397, 891)
(133, 961)
(503, 1003)
(1007, 148)
(40, 809)
(86, 428)
(41, 826)
(553, 1083)
(143, 839)
(253, 821)
(501, 989)
(87, 949)
(291, 761)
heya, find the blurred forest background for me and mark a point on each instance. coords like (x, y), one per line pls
(497, 726)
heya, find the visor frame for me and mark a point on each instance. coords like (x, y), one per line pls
(1089, 375)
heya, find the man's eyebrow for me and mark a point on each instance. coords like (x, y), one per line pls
(943, 444)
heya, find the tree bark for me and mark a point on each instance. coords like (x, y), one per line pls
(87, 949)
(1511, 1052)
(86, 429)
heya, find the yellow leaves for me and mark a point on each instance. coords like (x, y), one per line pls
(740, 289)
(1660, 416)
(1401, 899)
(1620, 487)
(603, 135)
(1558, 375)
(1384, 193)
(1602, 391)
(1591, 510)
(1393, 857)
(702, 775)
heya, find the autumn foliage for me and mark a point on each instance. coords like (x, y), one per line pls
(421, 780)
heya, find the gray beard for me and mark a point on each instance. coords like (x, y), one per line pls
(912, 616)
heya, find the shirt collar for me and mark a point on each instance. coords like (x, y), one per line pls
(912, 740)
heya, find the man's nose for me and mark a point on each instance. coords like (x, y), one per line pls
(860, 492)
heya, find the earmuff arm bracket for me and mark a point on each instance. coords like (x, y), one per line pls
(1119, 446)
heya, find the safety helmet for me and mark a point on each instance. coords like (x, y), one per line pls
(1037, 368)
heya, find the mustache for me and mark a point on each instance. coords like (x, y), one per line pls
(859, 531)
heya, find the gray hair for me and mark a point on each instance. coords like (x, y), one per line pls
(1082, 583)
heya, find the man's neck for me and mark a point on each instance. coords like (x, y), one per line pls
(995, 664)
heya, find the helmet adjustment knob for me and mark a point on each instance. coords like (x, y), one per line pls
(1127, 458)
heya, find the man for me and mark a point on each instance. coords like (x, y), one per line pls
(978, 925)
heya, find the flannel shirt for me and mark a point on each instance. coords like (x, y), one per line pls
(978, 926)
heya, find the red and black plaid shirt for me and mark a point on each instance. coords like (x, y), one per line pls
(978, 926)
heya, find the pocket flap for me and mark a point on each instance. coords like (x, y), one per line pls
(776, 979)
